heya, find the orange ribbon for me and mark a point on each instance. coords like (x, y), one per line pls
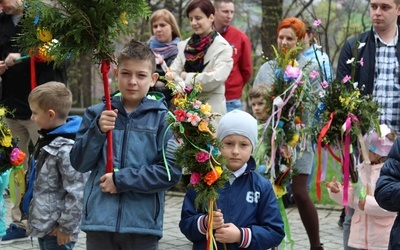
(321, 136)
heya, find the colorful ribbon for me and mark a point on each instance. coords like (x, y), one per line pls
(17, 176)
(210, 234)
(321, 136)
(346, 161)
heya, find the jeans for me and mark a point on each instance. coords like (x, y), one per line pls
(117, 241)
(233, 104)
(50, 243)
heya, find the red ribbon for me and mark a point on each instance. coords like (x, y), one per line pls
(105, 68)
(33, 72)
(321, 136)
(337, 158)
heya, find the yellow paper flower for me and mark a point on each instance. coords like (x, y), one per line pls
(180, 102)
(205, 109)
(2, 111)
(344, 100)
(294, 140)
(203, 126)
(122, 18)
(279, 191)
(293, 63)
(6, 141)
(44, 35)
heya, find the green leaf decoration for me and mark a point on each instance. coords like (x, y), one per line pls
(78, 27)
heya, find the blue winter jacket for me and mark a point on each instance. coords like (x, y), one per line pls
(249, 203)
(387, 191)
(141, 179)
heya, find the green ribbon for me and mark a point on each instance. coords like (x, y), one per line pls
(288, 237)
(17, 176)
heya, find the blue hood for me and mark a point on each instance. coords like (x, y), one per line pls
(70, 127)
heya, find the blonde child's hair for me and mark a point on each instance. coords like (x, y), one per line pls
(260, 90)
(52, 95)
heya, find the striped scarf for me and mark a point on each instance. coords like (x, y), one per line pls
(195, 50)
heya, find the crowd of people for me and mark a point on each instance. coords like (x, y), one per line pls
(68, 188)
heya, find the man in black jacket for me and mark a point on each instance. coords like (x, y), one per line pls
(16, 86)
(379, 75)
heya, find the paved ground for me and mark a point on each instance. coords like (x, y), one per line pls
(331, 234)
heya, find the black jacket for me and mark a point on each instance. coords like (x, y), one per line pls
(16, 84)
(363, 75)
(387, 191)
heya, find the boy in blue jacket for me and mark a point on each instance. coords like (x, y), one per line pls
(124, 209)
(55, 208)
(248, 215)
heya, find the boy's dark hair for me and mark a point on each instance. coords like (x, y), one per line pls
(138, 51)
(204, 5)
(259, 91)
(52, 95)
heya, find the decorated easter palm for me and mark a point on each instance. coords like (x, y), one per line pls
(60, 29)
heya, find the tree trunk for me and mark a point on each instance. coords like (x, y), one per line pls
(80, 75)
(272, 15)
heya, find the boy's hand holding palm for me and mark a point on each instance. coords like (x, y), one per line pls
(225, 233)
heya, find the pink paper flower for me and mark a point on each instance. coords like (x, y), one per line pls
(195, 178)
(202, 156)
(317, 22)
(314, 74)
(180, 114)
(361, 61)
(197, 104)
(291, 73)
(324, 84)
(193, 118)
(346, 78)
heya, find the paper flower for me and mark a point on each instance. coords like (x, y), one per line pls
(192, 124)
(10, 154)
(17, 157)
(202, 157)
(346, 79)
(213, 176)
(44, 35)
(317, 22)
(122, 18)
(180, 115)
(195, 178)
(291, 73)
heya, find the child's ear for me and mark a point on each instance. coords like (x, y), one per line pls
(154, 79)
(52, 114)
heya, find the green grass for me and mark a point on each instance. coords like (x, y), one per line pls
(330, 172)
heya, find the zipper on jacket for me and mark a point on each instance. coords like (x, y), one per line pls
(126, 132)
(157, 208)
(89, 195)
